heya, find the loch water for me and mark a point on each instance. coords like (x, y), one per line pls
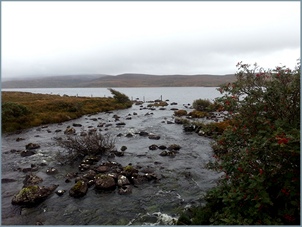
(184, 179)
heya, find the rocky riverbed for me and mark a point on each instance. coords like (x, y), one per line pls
(156, 171)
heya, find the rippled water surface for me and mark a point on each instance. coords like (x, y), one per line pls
(183, 178)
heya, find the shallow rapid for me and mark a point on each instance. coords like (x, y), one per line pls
(183, 182)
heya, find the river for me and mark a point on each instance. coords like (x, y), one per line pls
(183, 182)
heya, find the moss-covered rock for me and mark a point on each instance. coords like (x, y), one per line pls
(32, 195)
(79, 189)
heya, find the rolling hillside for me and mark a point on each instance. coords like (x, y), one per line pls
(123, 80)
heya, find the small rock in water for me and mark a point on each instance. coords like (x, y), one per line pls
(32, 146)
(60, 192)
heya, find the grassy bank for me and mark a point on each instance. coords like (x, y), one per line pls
(21, 110)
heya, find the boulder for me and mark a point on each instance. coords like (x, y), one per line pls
(79, 189)
(104, 182)
(32, 195)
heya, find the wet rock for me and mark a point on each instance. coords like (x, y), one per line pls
(154, 137)
(123, 148)
(128, 171)
(119, 153)
(69, 131)
(119, 135)
(7, 180)
(108, 125)
(120, 124)
(162, 108)
(124, 190)
(76, 125)
(60, 192)
(170, 122)
(27, 153)
(83, 167)
(162, 147)
(32, 195)
(164, 153)
(168, 153)
(89, 175)
(79, 189)
(153, 147)
(32, 146)
(143, 133)
(134, 113)
(26, 170)
(173, 103)
(104, 182)
(90, 183)
(100, 125)
(51, 171)
(128, 118)
(189, 128)
(178, 121)
(93, 119)
(19, 139)
(122, 180)
(129, 135)
(174, 147)
(58, 130)
(102, 169)
(32, 180)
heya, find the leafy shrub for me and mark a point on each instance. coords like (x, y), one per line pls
(92, 144)
(261, 151)
(120, 98)
(14, 116)
(202, 104)
(13, 110)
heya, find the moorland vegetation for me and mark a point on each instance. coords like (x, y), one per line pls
(21, 110)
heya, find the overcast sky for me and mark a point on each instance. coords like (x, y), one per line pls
(57, 38)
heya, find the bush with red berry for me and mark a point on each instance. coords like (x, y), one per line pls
(259, 152)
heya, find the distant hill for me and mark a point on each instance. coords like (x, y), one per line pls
(123, 80)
